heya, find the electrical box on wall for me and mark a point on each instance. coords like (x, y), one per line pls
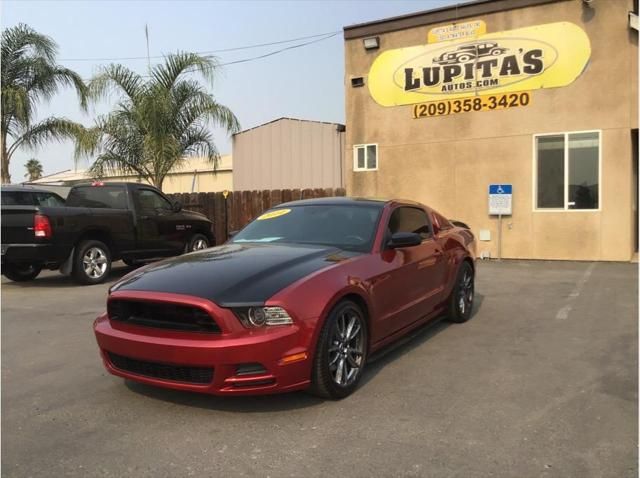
(484, 235)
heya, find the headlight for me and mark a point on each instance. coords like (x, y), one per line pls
(261, 316)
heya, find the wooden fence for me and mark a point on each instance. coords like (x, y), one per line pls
(240, 207)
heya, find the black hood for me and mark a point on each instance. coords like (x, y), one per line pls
(234, 274)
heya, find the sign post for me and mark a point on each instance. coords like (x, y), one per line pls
(500, 199)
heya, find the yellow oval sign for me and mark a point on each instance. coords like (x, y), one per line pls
(542, 56)
(273, 214)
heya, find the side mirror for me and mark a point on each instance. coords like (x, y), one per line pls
(177, 206)
(404, 239)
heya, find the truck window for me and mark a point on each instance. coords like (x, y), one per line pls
(149, 201)
(48, 199)
(108, 197)
(16, 198)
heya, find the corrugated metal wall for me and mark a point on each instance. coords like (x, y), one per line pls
(287, 154)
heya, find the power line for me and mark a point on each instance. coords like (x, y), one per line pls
(254, 58)
(207, 52)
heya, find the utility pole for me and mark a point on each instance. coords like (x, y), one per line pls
(146, 34)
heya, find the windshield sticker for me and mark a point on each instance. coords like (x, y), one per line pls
(274, 214)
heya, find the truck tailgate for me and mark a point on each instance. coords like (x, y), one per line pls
(17, 224)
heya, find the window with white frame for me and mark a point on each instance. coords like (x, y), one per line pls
(365, 157)
(567, 171)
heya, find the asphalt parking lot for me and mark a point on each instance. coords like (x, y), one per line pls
(541, 382)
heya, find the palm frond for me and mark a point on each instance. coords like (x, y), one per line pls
(50, 129)
(176, 65)
(116, 77)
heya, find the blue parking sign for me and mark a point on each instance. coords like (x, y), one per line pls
(500, 196)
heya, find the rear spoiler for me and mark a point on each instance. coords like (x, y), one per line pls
(459, 223)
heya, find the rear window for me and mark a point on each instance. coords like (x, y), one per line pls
(108, 197)
(48, 199)
(16, 198)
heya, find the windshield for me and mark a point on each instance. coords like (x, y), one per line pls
(350, 227)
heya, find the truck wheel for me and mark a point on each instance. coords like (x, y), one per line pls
(21, 272)
(92, 262)
(197, 242)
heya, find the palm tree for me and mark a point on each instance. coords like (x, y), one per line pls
(29, 75)
(34, 169)
(159, 122)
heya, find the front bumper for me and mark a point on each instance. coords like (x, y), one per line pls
(150, 350)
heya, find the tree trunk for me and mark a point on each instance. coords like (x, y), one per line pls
(6, 177)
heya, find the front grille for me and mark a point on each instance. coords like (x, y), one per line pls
(162, 370)
(162, 315)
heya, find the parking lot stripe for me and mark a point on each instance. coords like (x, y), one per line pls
(564, 311)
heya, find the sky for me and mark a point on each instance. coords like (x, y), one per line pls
(305, 82)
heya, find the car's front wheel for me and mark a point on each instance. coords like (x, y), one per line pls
(21, 272)
(92, 262)
(341, 352)
(461, 300)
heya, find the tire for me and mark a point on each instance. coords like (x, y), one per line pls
(324, 379)
(462, 295)
(197, 242)
(92, 262)
(463, 58)
(21, 272)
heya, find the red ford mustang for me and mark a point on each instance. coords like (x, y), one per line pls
(296, 300)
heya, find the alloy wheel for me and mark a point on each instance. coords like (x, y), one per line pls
(465, 292)
(199, 244)
(346, 349)
(94, 262)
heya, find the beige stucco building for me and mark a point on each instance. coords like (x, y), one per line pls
(538, 94)
(289, 153)
(194, 175)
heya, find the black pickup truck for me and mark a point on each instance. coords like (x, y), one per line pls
(99, 223)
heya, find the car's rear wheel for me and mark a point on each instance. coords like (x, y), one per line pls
(21, 272)
(197, 242)
(461, 300)
(92, 262)
(341, 352)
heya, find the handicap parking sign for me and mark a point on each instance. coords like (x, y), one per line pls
(500, 196)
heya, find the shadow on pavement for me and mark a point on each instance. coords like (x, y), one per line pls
(411, 341)
(56, 280)
(295, 400)
(240, 404)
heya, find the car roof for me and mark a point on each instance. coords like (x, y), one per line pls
(348, 201)
(26, 188)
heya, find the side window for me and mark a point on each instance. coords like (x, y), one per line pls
(410, 219)
(48, 199)
(149, 201)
